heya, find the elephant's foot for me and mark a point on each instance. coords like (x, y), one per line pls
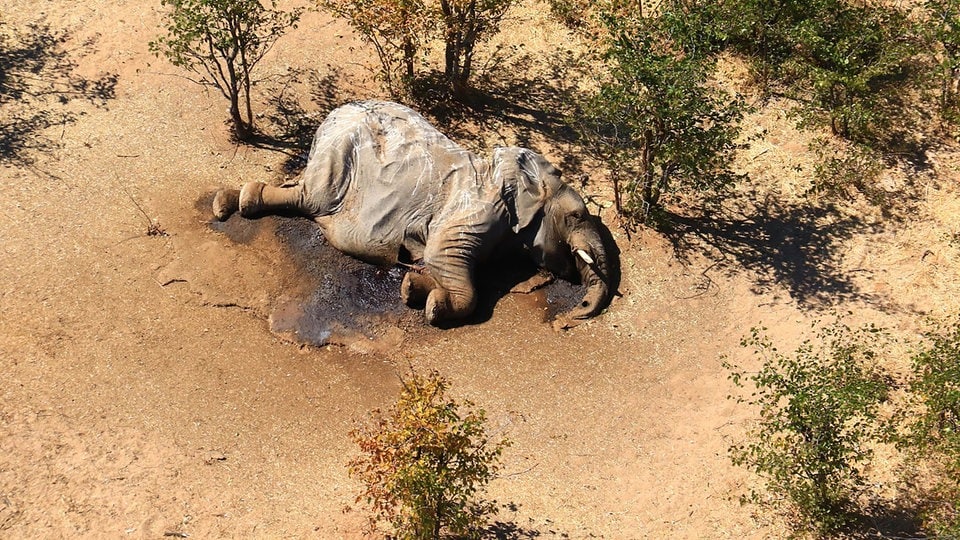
(225, 203)
(438, 306)
(251, 199)
(442, 306)
(415, 288)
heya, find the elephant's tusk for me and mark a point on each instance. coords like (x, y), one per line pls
(584, 255)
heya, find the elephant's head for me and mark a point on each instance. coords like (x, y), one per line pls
(552, 221)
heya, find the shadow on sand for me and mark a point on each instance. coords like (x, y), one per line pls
(37, 82)
(797, 248)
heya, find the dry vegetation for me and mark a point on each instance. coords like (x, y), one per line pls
(144, 394)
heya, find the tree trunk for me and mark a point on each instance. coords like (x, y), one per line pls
(648, 196)
(409, 53)
(240, 127)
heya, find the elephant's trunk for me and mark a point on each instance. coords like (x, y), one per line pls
(594, 266)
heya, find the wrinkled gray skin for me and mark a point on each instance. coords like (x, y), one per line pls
(386, 187)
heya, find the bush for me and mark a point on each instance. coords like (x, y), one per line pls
(656, 121)
(424, 462)
(843, 170)
(572, 13)
(222, 41)
(398, 29)
(933, 424)
(847, 65)
(818, 413)
(943, 29)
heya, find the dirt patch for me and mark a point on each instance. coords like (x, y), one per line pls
(144, 391)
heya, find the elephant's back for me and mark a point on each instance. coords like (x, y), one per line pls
(378, 173)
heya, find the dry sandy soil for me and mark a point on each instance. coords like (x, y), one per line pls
(154, 384)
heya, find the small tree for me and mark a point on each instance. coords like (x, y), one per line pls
(222, 41)
(467, 23)
(397, 29)
(933, 423)
(656, 121)
(423, 462)
(818, 411)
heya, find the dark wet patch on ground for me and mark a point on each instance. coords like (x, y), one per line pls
(562, 296)
(350, 302)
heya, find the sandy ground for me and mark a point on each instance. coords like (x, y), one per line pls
(145, 394)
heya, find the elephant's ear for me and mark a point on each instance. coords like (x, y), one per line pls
(527, 179)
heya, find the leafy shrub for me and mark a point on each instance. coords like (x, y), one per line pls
(398, 29)
(943, 28)
(572, 13)
(222, 41)
(933, 424)
(656, 121)
(424, 462)
(818, 413)
(843, 170)
(846, 64)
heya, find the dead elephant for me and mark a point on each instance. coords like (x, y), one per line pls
(386, 187)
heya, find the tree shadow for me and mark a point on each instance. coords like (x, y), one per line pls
(514, 99)
(37, 81)
(293, 128)
(884, 521)
(511, 530)
(797, 248)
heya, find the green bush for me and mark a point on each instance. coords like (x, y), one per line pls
(656, 121)
(943, 30)
(572, 13)
(399, 29)
(424, 462)
(222, 41)
(843, 170)
(933, 424)
(818, 415)
(847, 65)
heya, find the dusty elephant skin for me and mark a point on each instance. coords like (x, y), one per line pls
(386, 187)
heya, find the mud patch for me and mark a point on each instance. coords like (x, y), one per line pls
(349, 302)
(561, 296)
(236, 228)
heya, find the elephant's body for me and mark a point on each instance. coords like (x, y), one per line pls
(385, 186)
(380, 181)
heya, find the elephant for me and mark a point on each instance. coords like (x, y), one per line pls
(388, 188)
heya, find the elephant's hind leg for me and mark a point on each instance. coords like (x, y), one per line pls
(257, 199)
(225, 203)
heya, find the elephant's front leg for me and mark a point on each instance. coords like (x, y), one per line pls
(451, 264)
(416, 287)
